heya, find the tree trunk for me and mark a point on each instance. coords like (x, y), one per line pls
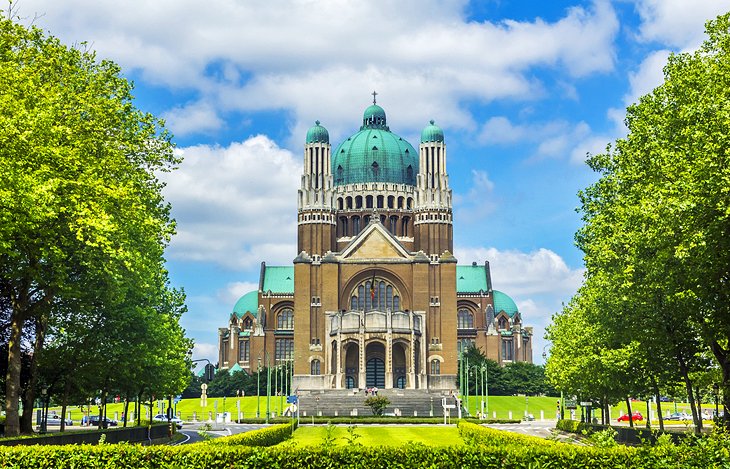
(26, 420)
(658, 405)
(64, 401)
(631, 413)
(723, 359)
(12, 378)
(126, 410)
(690, 395)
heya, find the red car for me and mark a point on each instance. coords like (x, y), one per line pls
(636, 417)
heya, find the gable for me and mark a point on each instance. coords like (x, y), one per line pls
(375, 243)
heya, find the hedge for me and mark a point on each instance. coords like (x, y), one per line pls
(263, 437)
(476, 434)
(407, 456)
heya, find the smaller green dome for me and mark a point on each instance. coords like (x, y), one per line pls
(318, 134)
(247, 303)
(373, 117)
(432, 133)
(504, 303)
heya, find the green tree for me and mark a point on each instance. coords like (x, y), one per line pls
(657, 222)
(81, 211)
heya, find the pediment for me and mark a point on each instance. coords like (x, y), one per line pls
(375, 242)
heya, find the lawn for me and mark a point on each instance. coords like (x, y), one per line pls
(382, 435)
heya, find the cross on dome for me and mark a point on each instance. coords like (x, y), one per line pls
(374, 95)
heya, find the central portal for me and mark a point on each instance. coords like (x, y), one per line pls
(375, 365)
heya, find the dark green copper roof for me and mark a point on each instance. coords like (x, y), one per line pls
(471, 279)
(279, 279)
(432, 133)
(318, 134)
(504, 303)
(247, 303)
(375, 154)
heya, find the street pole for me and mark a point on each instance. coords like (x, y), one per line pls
(268, 386)
(258, 390)
(276, 380)
(486, 388)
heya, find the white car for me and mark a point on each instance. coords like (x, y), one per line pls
(56, 420)
(163, 418)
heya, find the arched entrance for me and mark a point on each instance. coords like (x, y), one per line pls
(352, 360)
(375, 365)
(400, 365)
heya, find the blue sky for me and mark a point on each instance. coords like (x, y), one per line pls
(523, 90)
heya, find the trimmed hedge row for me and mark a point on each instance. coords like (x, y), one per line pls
(476, 434)
(263, 437)
(407, 456)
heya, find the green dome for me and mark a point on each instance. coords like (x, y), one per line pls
(504, 303)
(318, 134)
(247, 303)
(375, 154)
(432, 133)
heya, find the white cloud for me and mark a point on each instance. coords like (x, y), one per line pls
(478, 201)
(521, 274)
(205, 350)
(235, 206)
(193, 118)
(422, 56)
(235, 290)
(677, 23)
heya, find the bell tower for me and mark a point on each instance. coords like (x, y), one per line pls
(316, 219)
(434, 231)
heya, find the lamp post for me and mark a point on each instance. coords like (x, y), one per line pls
(562, 401)
(485, 372)
(258, 389)
(268, 386)
(44, 410)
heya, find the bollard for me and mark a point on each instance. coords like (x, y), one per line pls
(510, 415)
(195, 416)
(494, 414)
(542, 415)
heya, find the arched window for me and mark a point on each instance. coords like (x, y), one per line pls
(435, 367)
(315, 367)
(381, 297)
(247, 324)
(465, 319)
(285, 319)
(502, 324)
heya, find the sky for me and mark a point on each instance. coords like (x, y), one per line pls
(523, 90)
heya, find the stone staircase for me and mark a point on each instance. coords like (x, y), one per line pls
(348, 402)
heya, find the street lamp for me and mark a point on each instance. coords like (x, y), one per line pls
(44, 410)
(258, 389)
(562, 401)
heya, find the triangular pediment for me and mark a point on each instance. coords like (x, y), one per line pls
(375, 242)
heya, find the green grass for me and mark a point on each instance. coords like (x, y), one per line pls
(382, 435)
(502, 405)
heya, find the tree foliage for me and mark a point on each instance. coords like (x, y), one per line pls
(656, 238)
(83, 226)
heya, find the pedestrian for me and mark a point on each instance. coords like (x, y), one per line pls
(375, 391)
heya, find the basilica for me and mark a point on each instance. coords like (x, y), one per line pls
(374, 296)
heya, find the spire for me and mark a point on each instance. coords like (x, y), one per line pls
(374, 95)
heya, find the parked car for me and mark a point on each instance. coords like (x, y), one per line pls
(678, 416)
(665, 399)
(163, 418)
(636, 417)
(54, 419)
(94, 421)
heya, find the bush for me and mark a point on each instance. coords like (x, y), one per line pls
(377, 404)
(264, 437)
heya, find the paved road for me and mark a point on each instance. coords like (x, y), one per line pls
(192, 436)
(541, 428)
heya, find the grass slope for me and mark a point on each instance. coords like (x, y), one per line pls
(382, 435)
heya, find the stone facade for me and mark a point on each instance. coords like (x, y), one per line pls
(375, 296)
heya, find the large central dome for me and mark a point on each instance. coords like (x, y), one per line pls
(375, 154)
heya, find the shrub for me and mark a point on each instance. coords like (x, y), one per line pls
(269, 436)
(377, 404)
